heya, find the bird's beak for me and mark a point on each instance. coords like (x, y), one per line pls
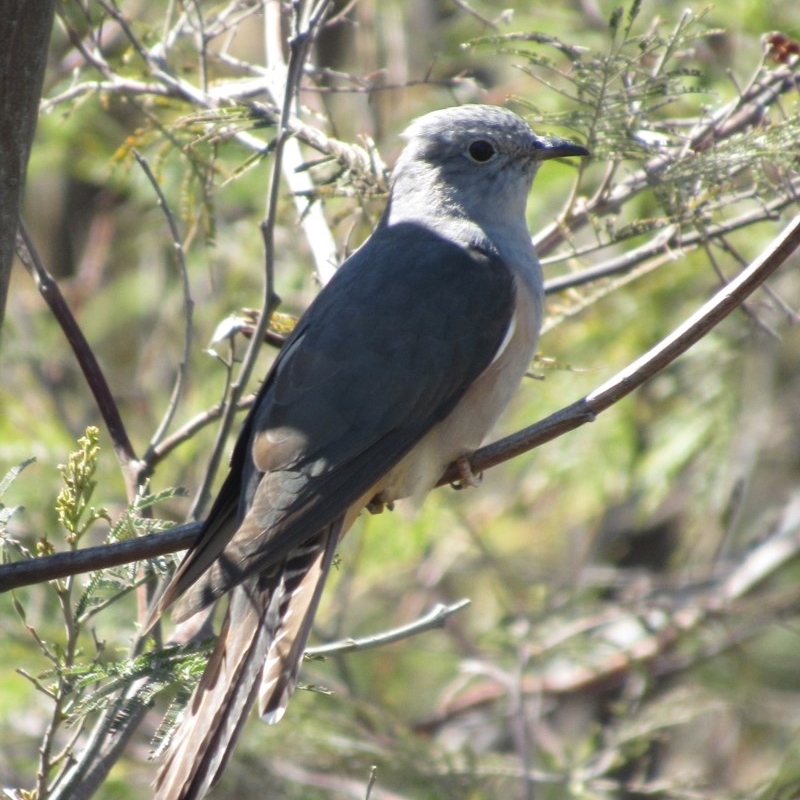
(553, 147)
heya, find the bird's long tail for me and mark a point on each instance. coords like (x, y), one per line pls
(258, 653)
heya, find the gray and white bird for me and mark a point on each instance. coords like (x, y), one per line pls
(400, 366)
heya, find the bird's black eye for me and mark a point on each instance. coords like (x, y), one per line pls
(481, 151)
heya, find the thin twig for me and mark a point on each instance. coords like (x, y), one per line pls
(189, 429)
(493, 24)
(669, 239)
(95, 379)
(742, 114)
(435, 618)
(188, 309)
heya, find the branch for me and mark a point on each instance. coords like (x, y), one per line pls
(188, 430)
(435, 618)
(566, 419)
(283, 84)
(644, 368)
(188, 309)
(95, 379)
(104, 556)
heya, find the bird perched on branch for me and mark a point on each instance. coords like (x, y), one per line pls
(400, 366)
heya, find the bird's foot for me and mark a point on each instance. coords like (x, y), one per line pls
(378, 504)
(466, 477)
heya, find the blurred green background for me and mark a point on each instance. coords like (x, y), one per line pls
(660, 493)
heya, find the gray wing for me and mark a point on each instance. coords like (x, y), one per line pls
(385, 351)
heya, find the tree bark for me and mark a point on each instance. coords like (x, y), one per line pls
(25, 27)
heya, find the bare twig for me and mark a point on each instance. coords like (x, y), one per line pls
(188, 308)
(435, 618)
(667, 240)
(48, 288)
(282, 81)
(188, 430)
(489, 23)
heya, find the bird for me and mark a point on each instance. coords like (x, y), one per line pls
(399, 367)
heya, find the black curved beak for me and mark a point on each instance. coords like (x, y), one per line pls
(553, 147)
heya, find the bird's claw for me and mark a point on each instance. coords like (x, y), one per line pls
(378, 504)
(466, 477)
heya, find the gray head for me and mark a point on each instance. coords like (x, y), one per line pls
(475, 162)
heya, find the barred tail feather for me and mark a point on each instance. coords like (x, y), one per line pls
(302, 582)
(258, 653)
(218, 708)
